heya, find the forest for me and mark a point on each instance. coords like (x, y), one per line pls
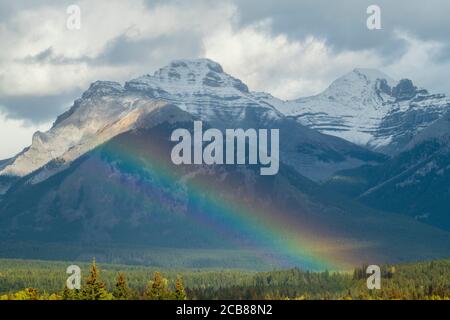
(46, 280)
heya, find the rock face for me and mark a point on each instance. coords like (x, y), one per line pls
(365, 107)
(370, 109)
(102, 175)
(203, 89)
(415, 182)
(199, 87)
(126, 193)
(405, 90)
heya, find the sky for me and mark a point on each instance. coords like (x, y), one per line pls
(287, 48)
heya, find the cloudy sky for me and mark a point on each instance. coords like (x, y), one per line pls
(288, 48)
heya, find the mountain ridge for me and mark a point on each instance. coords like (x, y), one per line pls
(414, 182)
(126, 191)
(370, 109)
(103, 176)
(200, 87)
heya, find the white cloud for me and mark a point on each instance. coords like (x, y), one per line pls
(265, 60)
(41, 29)
(421, 64)
(15, 135)
(273, 63)
(34, 31)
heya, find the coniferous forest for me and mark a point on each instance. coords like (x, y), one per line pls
(45, 280)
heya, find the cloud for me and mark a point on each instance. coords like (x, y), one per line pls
(422, 62)
(343, 23)
(118, 40)
(287, 48)
(22, 133)
(36, 109)
(273, 63)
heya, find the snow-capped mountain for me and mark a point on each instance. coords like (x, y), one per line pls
(203, 89)
(127, 194)
(368, 108)
(415, 182)
(103, 175)
(199, 87)
(102, 112)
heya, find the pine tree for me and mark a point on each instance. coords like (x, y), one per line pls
(71, 294)
(95, 288)
(180, 293)
(122, 291)
(157, 289)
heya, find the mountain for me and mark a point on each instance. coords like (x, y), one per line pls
(126, 192)
(370, 109)
(102, 176)
(414, 182)
(203, 89)
(199, 87)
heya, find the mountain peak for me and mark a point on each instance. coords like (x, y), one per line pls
(187, 76)
(359, 84)
(369, 108)
(405, 90)
(368, 75)
(192, 72)
(102, 88)
(194, 64)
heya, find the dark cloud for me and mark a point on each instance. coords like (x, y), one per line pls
(125, 51)
(148, 54)
(45, 56)
(443, 55)
(37, 109)
(48, 56)
(343, 23)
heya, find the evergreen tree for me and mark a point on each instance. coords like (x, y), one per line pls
(71, 294)
(180, 293)
(157, 289)
(121, 290)
(94, 289)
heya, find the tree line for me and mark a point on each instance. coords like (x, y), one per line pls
(422, 280)
(95, 289)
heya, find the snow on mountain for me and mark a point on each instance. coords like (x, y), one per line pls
(203, 89)
(365, 107)
(99, 106)
(198, 86)
(368, 108)
(414, 182)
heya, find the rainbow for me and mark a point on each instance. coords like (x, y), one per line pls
(272, 233)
